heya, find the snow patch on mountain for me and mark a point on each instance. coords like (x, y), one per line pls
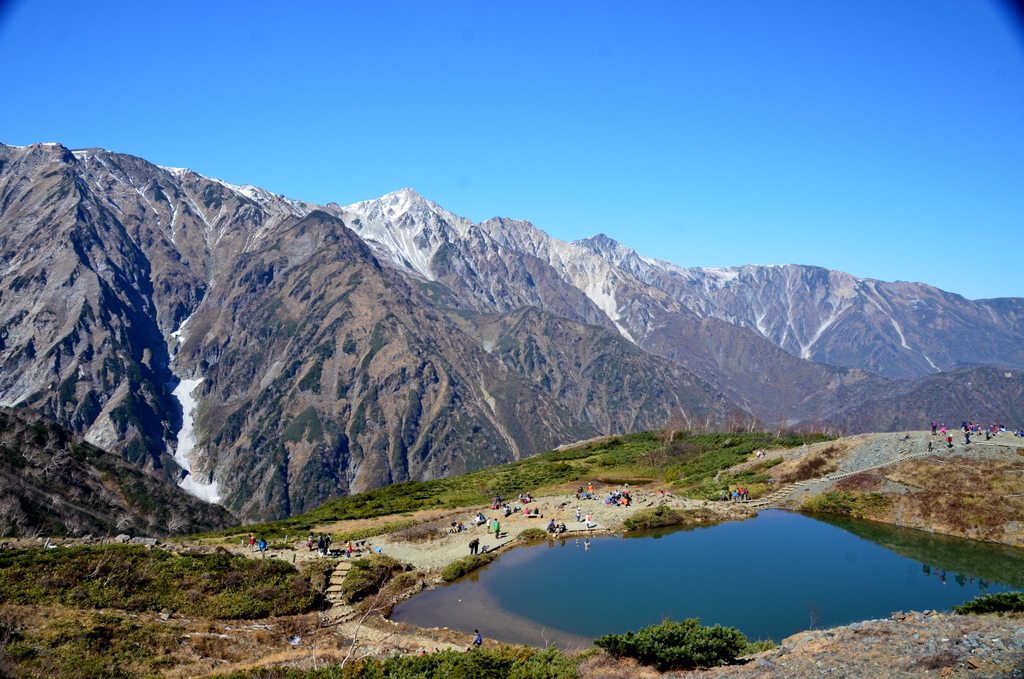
(187, 442)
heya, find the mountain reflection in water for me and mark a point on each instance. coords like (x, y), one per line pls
(770, 577)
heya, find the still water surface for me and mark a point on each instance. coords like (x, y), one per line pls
(770, 577)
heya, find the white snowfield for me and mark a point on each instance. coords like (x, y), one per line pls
(187, 442)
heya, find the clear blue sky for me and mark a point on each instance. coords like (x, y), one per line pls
(881, 138)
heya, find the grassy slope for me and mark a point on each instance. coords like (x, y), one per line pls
(690, 465)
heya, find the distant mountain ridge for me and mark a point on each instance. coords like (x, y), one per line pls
(830, 316)
(335, 349)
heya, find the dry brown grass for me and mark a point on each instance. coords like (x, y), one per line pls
(810, 466)
(963, 497)
(605, 666)
(865, 482)
(422, 532)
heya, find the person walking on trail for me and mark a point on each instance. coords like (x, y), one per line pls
(252, 543)
(348, 549)
(588, 519)
(579, 516)
(934, 427)
(474, 545)
(263, 547)
(497, 529)
(478, 640)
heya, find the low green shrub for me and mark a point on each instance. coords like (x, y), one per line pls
(655, 517)
(759, 646)
(1004, 602)
(849, 503)
(467, 564)
(505, 662)
(367, 576)
(135, 578)
(677, 645)
(533, 534)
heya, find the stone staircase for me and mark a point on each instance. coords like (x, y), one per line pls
(340, 611)
(769, 501)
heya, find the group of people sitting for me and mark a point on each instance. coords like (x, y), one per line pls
(619, 497)
(556, 528)
(587, 494)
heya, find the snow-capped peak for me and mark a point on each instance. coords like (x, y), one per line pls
(405, 228)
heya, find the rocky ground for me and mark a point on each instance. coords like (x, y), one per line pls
(916, 644)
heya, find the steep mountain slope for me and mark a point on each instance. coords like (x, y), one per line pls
(271, 354)
(595, 373)
(896, 329)
(56, 484)
(310, 370)
(982, 394)
(485, 264)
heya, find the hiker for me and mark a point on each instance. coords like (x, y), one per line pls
(949, 441)
(497, 529)
(551, 526)
(934, 427)
(588, 519)
(348, 549)
(474, 545)
(967, 438)
(478, 640)
(252, 543)
(262, 546)
(578, 515)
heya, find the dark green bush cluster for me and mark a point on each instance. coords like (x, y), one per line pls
(661, 516)
(533, 534)
(677, 645)
(655, 517)
(467, 564)
(134, 578)
(506, 662)
(1004, 602)
(367, 576)
(95, 646)
(849, 503)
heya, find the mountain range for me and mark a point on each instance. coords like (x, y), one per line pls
(270, 354)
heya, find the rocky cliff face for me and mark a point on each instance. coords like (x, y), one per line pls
(277, 353)
(56, 484)
(310, 369)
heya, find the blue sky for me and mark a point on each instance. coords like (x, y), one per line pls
(885, 139)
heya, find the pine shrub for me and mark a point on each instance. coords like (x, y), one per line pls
(677, 645)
